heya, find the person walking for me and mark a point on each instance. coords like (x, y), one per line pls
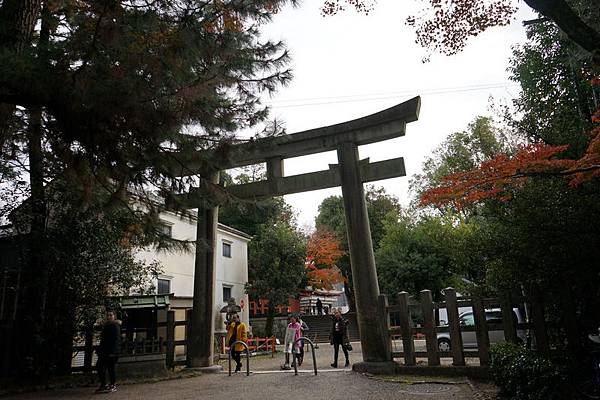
(319, 306)
(339, 337)
(236, 331)
(291, 345)
(303, 329)
(108, 352)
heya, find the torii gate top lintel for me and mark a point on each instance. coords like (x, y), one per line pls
(382, 125)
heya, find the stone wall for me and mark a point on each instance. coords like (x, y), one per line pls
(279, 325)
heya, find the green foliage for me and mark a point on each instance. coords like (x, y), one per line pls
(248, 216)
(332, 217)
(129, 91)
(523, 374)
(412, 256)
(90, 255)
(461, 151)
(556, 99)
(121, 96)
(276, 263)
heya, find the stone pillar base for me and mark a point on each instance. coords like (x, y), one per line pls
(213, 369)
(376, 367)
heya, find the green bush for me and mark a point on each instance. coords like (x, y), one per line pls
(523, 374)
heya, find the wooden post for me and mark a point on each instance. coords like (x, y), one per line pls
(508, 321)
(170, 339)
(570, 320)
(481, 331)
(456, 343)
(384, 317)
(433, 358)
(539, 323)
(88, 351)
(405, 326)
(189, 315)
(374, 346)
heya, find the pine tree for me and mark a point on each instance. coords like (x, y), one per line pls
(121, 95)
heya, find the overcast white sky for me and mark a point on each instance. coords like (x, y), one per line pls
(351, 65)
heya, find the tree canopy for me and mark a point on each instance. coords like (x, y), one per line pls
(323, 251)
(446, 25)
(129, 90)
(121, 96)
(276, 265)
(413, 255)
(331, 217)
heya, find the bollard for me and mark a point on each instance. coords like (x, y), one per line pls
(247, 356)
(312, 347)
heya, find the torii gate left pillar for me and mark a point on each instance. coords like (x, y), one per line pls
(201, 328)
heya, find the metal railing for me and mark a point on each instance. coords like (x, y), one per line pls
(312, 347)
(232, 347)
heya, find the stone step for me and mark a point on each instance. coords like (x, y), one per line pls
(320, 327)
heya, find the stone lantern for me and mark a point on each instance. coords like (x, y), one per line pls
(230, 309)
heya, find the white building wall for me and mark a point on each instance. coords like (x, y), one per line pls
(178, 266)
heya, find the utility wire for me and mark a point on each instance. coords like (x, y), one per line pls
(382, 96)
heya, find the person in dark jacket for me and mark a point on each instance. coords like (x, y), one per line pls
(319, 306)
(108, 351)
(339, 337)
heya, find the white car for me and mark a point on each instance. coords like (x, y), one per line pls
(492, 316)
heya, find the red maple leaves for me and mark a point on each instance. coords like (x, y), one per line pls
(323, 251)
(499, 177)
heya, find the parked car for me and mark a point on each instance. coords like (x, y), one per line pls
(492, 316)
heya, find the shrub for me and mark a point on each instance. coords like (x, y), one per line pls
(523, 374)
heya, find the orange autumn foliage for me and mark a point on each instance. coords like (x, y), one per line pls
(323, 251)
(498, 177)
(324, 248)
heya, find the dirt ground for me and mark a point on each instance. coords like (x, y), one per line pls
(268, 381)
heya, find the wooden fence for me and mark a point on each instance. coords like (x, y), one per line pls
(265, 345)
(430, 329)
(159, 345)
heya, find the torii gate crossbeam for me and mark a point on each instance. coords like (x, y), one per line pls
(350, 173)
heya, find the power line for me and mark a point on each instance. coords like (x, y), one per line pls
(383, 96)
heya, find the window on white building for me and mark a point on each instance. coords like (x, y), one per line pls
(226, 249)
(164, 286)
(226, 293)
(166, 229)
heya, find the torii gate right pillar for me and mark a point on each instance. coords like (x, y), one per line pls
(375, 343)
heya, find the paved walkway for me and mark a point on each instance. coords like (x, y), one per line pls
(267, 381)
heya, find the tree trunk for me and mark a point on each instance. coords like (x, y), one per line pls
(270, 319)
(37, 266)
(17, 23)
(569, 22)
(40, 270)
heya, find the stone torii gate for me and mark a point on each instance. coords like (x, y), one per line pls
(350, 173)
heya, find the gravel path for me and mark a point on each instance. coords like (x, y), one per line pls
(342, 385)
(267, 382)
